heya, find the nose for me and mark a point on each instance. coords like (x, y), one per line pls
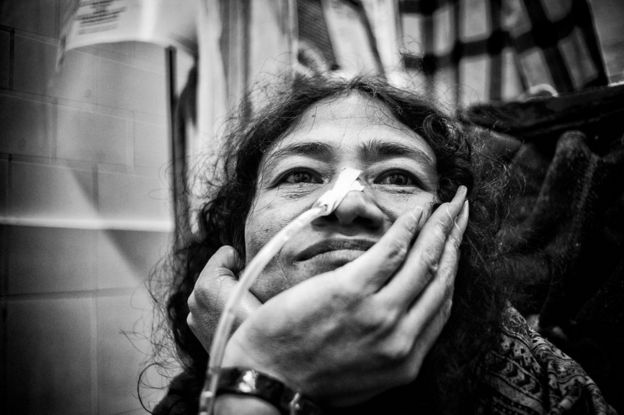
(357, 208)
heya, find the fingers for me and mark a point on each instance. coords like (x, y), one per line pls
(424, 321)
(424, 259)
(440, 290)
(212, 289)
(427, 338)
(372, 270)
(449, 261)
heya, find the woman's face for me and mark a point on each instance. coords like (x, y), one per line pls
(398, 173)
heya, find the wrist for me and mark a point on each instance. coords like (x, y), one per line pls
(236, 356)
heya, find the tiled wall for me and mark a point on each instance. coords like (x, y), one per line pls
(84, 214)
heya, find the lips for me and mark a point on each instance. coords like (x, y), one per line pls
(329, 245)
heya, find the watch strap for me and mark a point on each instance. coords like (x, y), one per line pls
(251, 382)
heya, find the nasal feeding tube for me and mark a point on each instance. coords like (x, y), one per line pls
(326, 204)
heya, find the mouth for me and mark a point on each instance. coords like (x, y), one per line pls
(331, 245)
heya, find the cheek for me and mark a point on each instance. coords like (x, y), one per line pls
(261, 225)
(395, 204)
(255, 235)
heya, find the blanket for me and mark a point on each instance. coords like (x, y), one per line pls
(563, 239)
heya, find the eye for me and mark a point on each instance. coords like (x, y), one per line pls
(397, 178)
(298, 176)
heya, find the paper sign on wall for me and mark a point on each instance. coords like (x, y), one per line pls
(165, 22)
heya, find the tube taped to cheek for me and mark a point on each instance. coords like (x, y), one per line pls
(346, 182)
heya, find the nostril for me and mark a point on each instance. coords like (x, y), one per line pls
(356, 209)
(345, 219)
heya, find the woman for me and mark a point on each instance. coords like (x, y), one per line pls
(355, 311)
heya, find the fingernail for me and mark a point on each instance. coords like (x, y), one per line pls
(460, 196)
(462, 191)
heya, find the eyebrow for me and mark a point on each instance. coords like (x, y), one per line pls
(375, 149)
(380, 149)
(312, 149)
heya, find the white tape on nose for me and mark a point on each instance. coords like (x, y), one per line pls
(346, 182)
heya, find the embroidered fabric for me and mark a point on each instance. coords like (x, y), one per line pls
(528, 375)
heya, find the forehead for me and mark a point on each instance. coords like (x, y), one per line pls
(350, 119)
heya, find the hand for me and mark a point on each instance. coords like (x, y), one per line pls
(346, 335)
(212, 289)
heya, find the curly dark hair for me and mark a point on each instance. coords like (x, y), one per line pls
(479, 298)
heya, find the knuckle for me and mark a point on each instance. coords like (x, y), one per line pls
(223, 252)
(191, 302)
(347, 292)
(412, 369)
(387, 320)
(190, 322)
(397, 250)
(226, 250)
(430, 259)
(377, 320)
(200, 295)
(370, 322)
(397, 350)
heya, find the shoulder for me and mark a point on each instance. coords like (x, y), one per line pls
(528, 374)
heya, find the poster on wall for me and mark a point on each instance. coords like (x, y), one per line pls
(164, 22)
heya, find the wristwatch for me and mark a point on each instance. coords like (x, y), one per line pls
(251, 382)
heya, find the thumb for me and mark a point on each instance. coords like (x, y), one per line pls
(214, 285)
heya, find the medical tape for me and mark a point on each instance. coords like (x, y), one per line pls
(346, 182)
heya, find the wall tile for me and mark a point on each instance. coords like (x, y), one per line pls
(126, 258)
(151, 144)
(149, 56)
(46, 260)
(124, 86)
(76, 78)
(140, 55)
(49, 355)
(36, 16)
(133, 197)
(119, 51)
(123, 331)
(34, 65)
(25, 126)
(5, 58)
(36, 72)
(43, 191)
(91, 136)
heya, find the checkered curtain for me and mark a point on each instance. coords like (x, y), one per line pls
(466, 51)
(457, 51)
